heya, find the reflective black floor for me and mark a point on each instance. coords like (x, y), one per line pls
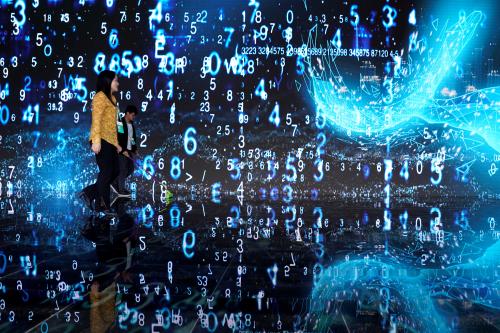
(190, 266)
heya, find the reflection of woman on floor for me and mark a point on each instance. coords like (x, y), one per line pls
(114, 261)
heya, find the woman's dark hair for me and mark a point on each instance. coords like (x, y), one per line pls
(104, 82)
(131, 109)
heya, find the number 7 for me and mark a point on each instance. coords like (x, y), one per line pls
(12, 167)
(230, 30)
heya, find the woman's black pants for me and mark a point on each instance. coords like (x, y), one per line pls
(107, 161)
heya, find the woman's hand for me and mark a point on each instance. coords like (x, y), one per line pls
(119, 149)
(96, 147)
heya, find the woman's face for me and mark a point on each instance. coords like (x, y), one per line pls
(115, 85)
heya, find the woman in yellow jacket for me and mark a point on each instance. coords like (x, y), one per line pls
(104, 141)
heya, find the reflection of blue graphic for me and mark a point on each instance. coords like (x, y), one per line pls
(408, 89)
(395, 288)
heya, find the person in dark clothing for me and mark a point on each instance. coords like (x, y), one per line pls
(127, 140)
(104, 142)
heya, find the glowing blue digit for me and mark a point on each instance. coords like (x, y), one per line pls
(47, 50)
(230, 31)
(319, 165)
(170, 91)
(100, 65)
(355, 15)
(273, 274)
(274, 117)
(403, 220)
(404, 173)
(113, 39)
(78, 85)
(147, 213)
(28, 264)
(175, 216)
(387, 220)
(167, 64)
(208, 64)
(234, 165)
(138, 64)
(148, 164)
(27, 81)
(37, 136)
(387, 190)
(5, 91)
(319, 220)
(156, 15)
(28, 114)
(255, 4)
(435, 167)
(160, 42)
(289, 221)
(391, 15)
(44, 328)
(61, 140)
(271, 168)
(234, 220)
(22, 7)
(175, 167)
(388, 170)
(188, 246)
(435, 222)
(216, 193)
(128, 66)
(337, 40)
(114, 65)
(212, 328)
(291, 167)
(190, 140)
(272, 219)
(321, 137)
(166, 321)
(260, 90)
(320, 118)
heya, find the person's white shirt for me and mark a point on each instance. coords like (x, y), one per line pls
(130, 136)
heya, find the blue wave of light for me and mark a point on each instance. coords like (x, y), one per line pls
(396, 288)
(413, 90)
